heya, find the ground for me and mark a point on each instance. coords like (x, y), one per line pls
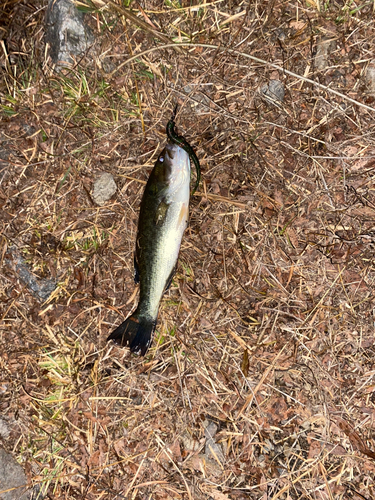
(260, 380)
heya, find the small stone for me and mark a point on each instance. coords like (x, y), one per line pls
(370, 76)
(104, 188)
(28, 129)
(280, 34)
(210, 429)
(3, 388)
(273, 91)
(212, 449)
(4, 157)
(325, 47)
(198, 95)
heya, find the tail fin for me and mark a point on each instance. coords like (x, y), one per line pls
(135, 333)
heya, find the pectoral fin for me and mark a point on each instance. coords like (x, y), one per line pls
(183, 216)
(161, 212)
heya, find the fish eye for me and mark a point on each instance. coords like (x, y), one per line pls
(161, 159)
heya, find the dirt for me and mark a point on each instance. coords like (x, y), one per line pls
(267, 332)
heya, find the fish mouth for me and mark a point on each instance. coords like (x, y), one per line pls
(171, 149)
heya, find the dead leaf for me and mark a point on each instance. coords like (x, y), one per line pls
(293, 238)
(278, 197)
(245, 363)
(354, 438)
(175, 451)
(217, 495)
(297, 25)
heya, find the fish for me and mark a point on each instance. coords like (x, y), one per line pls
(163, 218)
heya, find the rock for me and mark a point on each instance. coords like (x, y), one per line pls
(4, 429)
(4, 157)
(41, 288)
(325, 47)
(28, 129)
(198, 94)
(210, 429)
(273, 91)
(12, 475)
(104, 188)
(370, 76)
(280, 34)
(66, 32)
(212, 450)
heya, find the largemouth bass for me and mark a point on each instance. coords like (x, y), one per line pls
(162, 221)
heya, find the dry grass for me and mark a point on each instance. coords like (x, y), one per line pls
(268, 328)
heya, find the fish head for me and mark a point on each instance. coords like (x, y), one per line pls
(173, 166)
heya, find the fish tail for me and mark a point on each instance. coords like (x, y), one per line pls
(135, 333)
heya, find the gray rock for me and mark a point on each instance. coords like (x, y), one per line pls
(325, 47)
(370, 76)
(212, 449)
(4, 429)
(41, 288)
(4, 153)
(28, 129)
(280, 34)
(273, 91)
(104, 188)
(198, 95)
(66, 32)
(12, 476)
(4, 164)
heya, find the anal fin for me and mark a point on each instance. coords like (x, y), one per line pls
(170, 278)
